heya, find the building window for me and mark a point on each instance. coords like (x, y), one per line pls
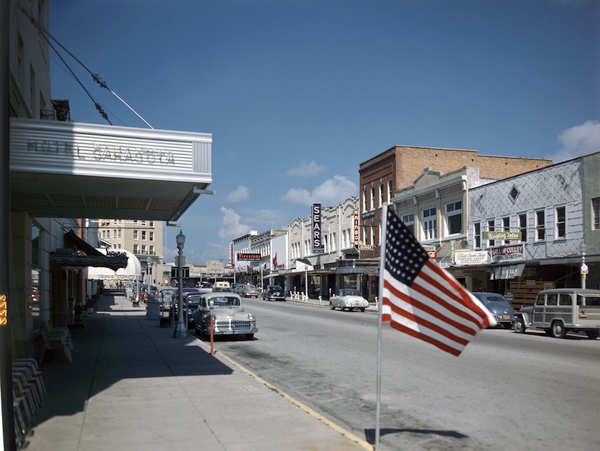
(151, 237)
(523, 226)
(333, 243)
(477, 235)
(135, 248)
(151, 250)
(151, 223)
(143, 249)
(540, 225)
(372, 198)
(454, 217)
(390, 191)
(596, 213)
(506, 227)
(115, 234)
(135, 234)
(365, 199)
(429, 223)
(119, 233)
(491, 229)
(561, 222)
(144, 235)
(381, 195)
(409, 222)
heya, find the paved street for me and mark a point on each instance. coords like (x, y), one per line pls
(506, 391)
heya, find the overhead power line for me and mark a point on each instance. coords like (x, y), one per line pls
(96, 77)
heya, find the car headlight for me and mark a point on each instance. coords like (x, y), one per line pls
(251, 317)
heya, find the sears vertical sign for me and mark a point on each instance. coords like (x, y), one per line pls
(317, 237)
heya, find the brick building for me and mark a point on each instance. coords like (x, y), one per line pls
(399, 166)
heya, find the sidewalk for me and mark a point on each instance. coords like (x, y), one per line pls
(134, 387)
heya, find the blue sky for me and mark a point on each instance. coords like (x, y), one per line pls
(297, 93)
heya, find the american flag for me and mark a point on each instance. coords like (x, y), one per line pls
(422, 299)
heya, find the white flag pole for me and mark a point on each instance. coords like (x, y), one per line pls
(381, 268)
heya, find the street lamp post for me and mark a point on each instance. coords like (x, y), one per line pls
(584, 269)
(181, 330)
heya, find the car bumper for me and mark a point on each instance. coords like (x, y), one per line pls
(275, 298)
(234, 328)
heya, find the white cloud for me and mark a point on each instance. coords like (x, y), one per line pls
(305, 169)
(231, 227)
(239, 194)
(330, 193)
(578, 141)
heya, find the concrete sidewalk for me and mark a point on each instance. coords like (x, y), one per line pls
(134, 387)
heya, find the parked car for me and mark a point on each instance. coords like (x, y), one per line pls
(229, 316)
(273, 293)
(175, 299)
(221, 286)
(562, 310)
(248, 291)
(191, 301)
(348, 299)
(499, 307)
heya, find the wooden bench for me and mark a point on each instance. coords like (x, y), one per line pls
(58, 338)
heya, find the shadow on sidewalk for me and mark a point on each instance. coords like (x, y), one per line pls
(119, 345)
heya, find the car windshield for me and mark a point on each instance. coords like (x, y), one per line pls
(274, 288)
(251, 287)
(349, 293)
(225, 301)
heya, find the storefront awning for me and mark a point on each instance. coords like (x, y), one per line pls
(84, 261)
(75, 170)
(132, 271)
(81, 245)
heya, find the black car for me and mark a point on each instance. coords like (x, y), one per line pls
(190, 305)
(273, 293)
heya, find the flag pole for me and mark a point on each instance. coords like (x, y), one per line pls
(381, 268)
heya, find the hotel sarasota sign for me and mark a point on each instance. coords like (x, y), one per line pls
(317, 237)
(89, 149)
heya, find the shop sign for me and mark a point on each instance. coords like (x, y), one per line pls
(356, 232)
(468, 258)
(504, 253)
(317, 238)
(248, 256)
(432, 254)
(491, 235)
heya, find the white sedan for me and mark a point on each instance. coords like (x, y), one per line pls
(349, 299)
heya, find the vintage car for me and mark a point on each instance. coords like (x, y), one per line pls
(248, 291)
(499, 307)
(175, 300)
(562, 310)
(221, 286)
(273, 293)
(228, 315)
(348, 299)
